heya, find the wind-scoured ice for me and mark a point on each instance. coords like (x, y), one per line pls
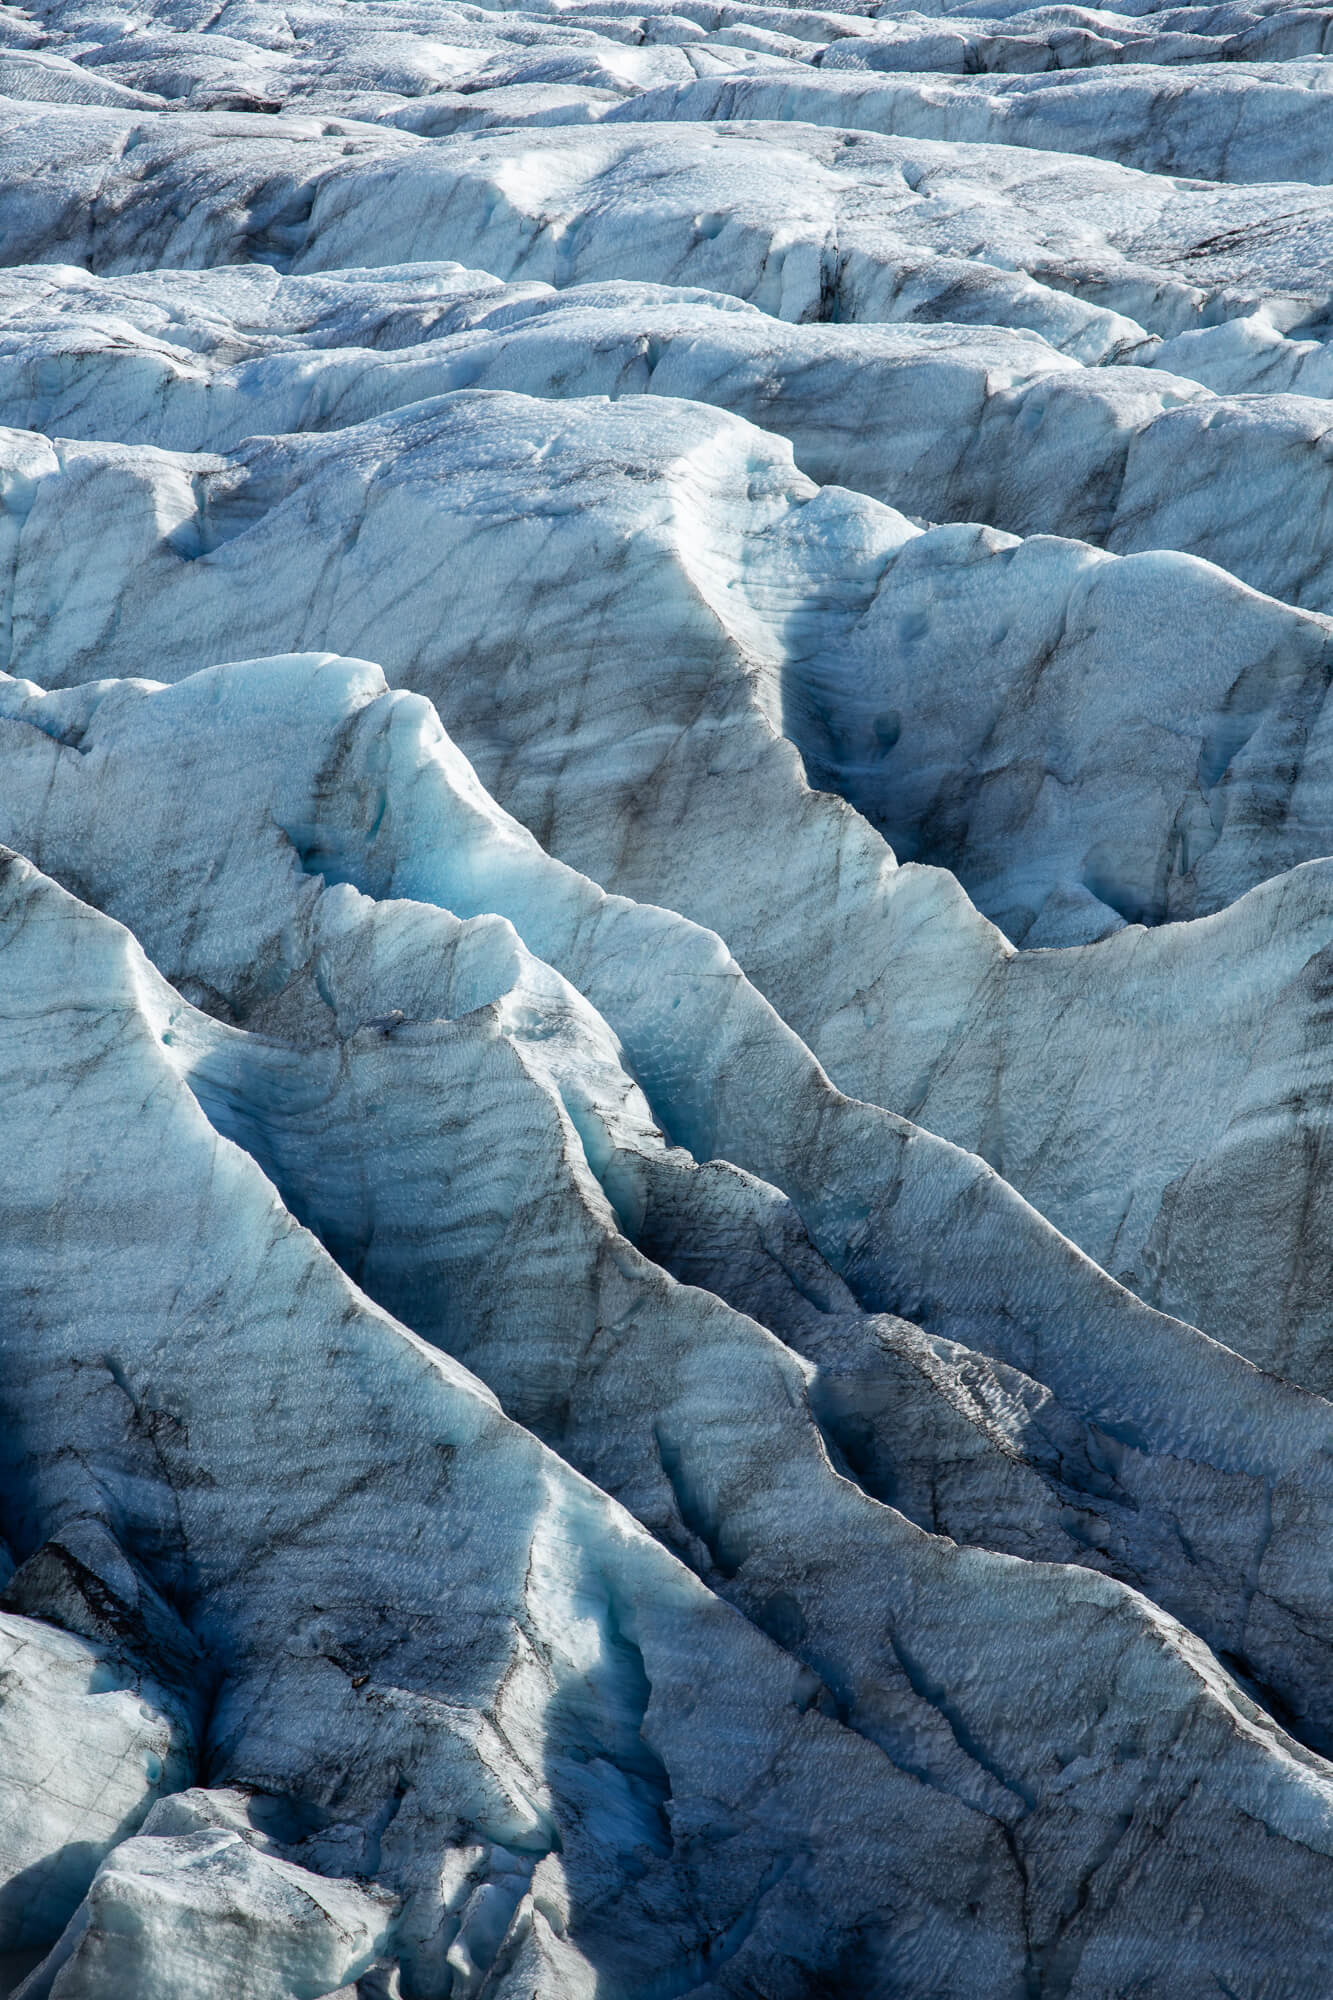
(666, 918)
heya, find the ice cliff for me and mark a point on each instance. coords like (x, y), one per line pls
(666, 970)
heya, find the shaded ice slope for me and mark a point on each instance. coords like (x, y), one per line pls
(576, 1624)
(802, 222)
(947, 422)
(1237, 1469)
(87, 1744)
(800, 608)
(783, 606)
(203, 1382)
(432, 65)
(1241, 122)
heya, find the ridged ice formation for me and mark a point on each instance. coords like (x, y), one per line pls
(666, 1001)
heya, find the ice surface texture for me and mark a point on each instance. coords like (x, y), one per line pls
(666, 937)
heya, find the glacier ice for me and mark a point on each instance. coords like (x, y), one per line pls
(666, 826)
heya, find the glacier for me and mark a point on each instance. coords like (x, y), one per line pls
(666, 935)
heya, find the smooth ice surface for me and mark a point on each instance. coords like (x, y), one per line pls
(666, 924)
